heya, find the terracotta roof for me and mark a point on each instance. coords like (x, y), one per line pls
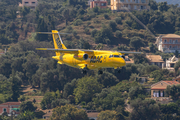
(11, 103)
(171, 36)
(171, 82)
(93, 114)
(48, 114)
(154, 58)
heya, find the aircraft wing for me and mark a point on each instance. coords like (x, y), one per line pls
(129, 52)
(82, 50)
(64, 50)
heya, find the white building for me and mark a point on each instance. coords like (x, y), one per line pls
(29, 3)
(168, 43)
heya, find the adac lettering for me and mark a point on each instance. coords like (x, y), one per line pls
(95, 59)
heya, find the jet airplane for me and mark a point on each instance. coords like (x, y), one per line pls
(86, 59)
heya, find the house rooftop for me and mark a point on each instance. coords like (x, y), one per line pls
(171, 82)
(171, 36)
(154, 58)
(93, 114)
(11, 103)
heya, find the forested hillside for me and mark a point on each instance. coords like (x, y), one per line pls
(174, 2)
(63, 87)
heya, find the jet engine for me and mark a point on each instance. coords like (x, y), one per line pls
(81, 56)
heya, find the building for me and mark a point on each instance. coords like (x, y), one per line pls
(48, 114)
(29, 3)
(158, 89)
(92, 115)
(119, 5)
(168, 43)
(128, 60)
(98, 3)
(177, 79)
(155, 60)
(171, 62)
(10, 108)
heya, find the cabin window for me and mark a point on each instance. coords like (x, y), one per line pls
(143, 1)
(116, 56)
(110, 56)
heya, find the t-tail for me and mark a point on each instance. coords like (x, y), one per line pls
(58, 43)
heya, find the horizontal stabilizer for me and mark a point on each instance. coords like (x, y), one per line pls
(51, 33)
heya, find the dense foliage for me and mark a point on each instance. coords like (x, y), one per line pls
(110, 93)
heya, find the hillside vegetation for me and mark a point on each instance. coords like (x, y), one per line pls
(62, 87)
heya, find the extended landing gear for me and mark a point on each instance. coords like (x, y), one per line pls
(84, 70)
(118, 70)
(100, 72)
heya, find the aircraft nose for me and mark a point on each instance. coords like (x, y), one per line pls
(123, 62)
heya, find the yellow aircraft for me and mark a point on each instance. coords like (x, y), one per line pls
(86, 59)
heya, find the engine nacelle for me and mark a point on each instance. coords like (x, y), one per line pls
(81, 56)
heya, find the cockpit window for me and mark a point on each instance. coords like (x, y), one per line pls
(116, 56)
(110, 56)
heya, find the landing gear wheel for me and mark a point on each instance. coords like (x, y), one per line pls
(118, 70)
(100, 72)
(84, 72)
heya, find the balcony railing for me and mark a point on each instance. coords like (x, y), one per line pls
(171, 42)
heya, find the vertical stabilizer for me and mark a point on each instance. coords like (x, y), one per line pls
(58, 44)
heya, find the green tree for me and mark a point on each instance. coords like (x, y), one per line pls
(118, 34)
(163, 6)
(109, 115)
(66, 15)
(42, 27)
(140, 58)
(144, 110)
(113, 25)
(137, 92)
(86, 88)
(107, 79)
(157, 75)
(47, 100)
(26, 115)
(176, 66)
(69, 112)
(173, 91)
(27, 106)
(136, 42)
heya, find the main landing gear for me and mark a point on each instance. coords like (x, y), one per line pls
(118, 70)
(100, 72)
(84, 70)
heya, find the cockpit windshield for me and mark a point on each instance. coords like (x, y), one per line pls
(116, 56)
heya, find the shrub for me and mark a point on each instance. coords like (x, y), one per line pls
(74, 33)
(86, 30)
(118, 20)
(96, 21)
(77, 22)
(113, 25)
(106, 16)
(118, 34)
(93, 32)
